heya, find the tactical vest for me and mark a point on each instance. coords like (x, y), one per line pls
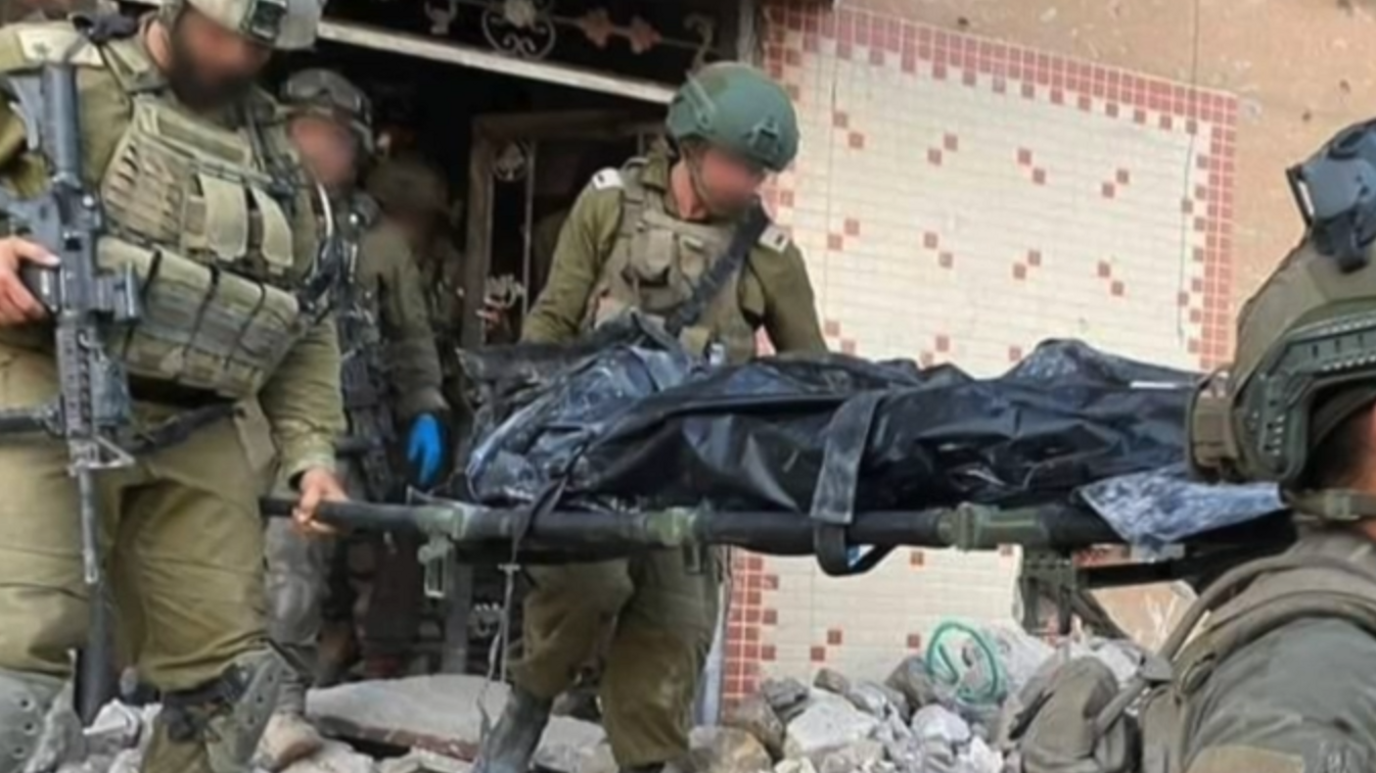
(217, 224)
(656, 262)
(1327, 574)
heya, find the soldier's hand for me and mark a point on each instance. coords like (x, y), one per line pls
(17, 304)
(317, 485)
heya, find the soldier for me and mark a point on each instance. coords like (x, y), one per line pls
(644, 237)
(391, 371)
(1278, 679)
(207, 203)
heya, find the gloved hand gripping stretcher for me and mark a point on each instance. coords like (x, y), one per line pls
(626, 443)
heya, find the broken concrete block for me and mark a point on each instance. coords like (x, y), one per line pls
(334, 757)
(727, 750)
(795, 766)
(859, 756)
(937, 723)
(788, 697)
(912, 680)
(832, 681)
(826, 726)
(979, 758)
(420, 761)
(599, 760)
(438, 713)
(117, 727)
(874, 699)
(755, 716)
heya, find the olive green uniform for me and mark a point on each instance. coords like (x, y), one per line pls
(659, 611)
(389, 286)
(181, 527)
(1268, 671)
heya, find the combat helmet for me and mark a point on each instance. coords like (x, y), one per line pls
(327, 93)
(409, 183)
(736, 107)
(1306, 341)
(286, 25)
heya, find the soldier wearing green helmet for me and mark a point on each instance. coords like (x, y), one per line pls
(233, 368)
(391, 385)
(645, 237)
(1278, 677)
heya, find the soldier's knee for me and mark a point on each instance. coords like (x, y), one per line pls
(25, 704)
(226, 717)
(42, 627)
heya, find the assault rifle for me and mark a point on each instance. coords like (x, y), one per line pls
(1049, 534)
(93, 401)
(363, 380)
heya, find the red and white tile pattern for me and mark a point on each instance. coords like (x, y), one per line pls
(961, 199)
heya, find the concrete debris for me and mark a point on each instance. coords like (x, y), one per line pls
(754, 715)
(424, 762)
(832, 681)
(727, 750)
(441, 714)
(912, 723)
(825, 727)
(912, 680)
(788, 697)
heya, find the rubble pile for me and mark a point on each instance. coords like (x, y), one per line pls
(946, 711)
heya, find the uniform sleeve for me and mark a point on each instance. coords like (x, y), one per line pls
(412, 360)
(791, 307)
(584, 243)
(1301, 699)
(302, 402)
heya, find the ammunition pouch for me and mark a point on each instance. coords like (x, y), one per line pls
(201, 327)
(25, 700)
(228, 715)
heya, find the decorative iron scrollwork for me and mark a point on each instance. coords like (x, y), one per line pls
(522, 28)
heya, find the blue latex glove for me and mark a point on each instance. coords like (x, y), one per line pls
(425, 449)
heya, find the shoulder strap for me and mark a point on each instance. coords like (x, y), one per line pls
(743, 240)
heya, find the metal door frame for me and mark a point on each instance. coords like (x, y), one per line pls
(490, 134)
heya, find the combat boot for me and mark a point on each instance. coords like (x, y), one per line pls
(512, 742)
(289, 736)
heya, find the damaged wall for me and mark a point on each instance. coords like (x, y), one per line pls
(1300, 69)
(979, 175)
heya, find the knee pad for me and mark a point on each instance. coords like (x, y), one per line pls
(227, 716)
(27, 729)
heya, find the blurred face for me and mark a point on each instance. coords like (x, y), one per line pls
(211, 66)
(726, 182)
(328, 148)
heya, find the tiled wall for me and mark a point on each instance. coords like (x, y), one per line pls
(960, 200)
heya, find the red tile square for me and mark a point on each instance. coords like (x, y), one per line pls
(934, 157)
(768, 653)
(916, 557)
(943, 343)
(1057, 97)
(793, 57)
(1024, 157)
(945, 260)
(840, 119)
(1105, 269)
(848, 346)
(1085, 103)
(1034, 258)
(914, 641)
(1039, 176)
(835, 242)
(930, 240)
(818, 654)
(1015, 354)
(1139, 116)
(831, 328)
(769, 617)
(1019, 271)
(852, 227)
(771, 582)
(1123, 177)
(856, 140)
(1108, 190)
(834, 637)
(1167, 122)
(1117, 287)
(1187, 206)
(1029, 91)
(951, 142)
(1000, 85)
(1111, 110)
